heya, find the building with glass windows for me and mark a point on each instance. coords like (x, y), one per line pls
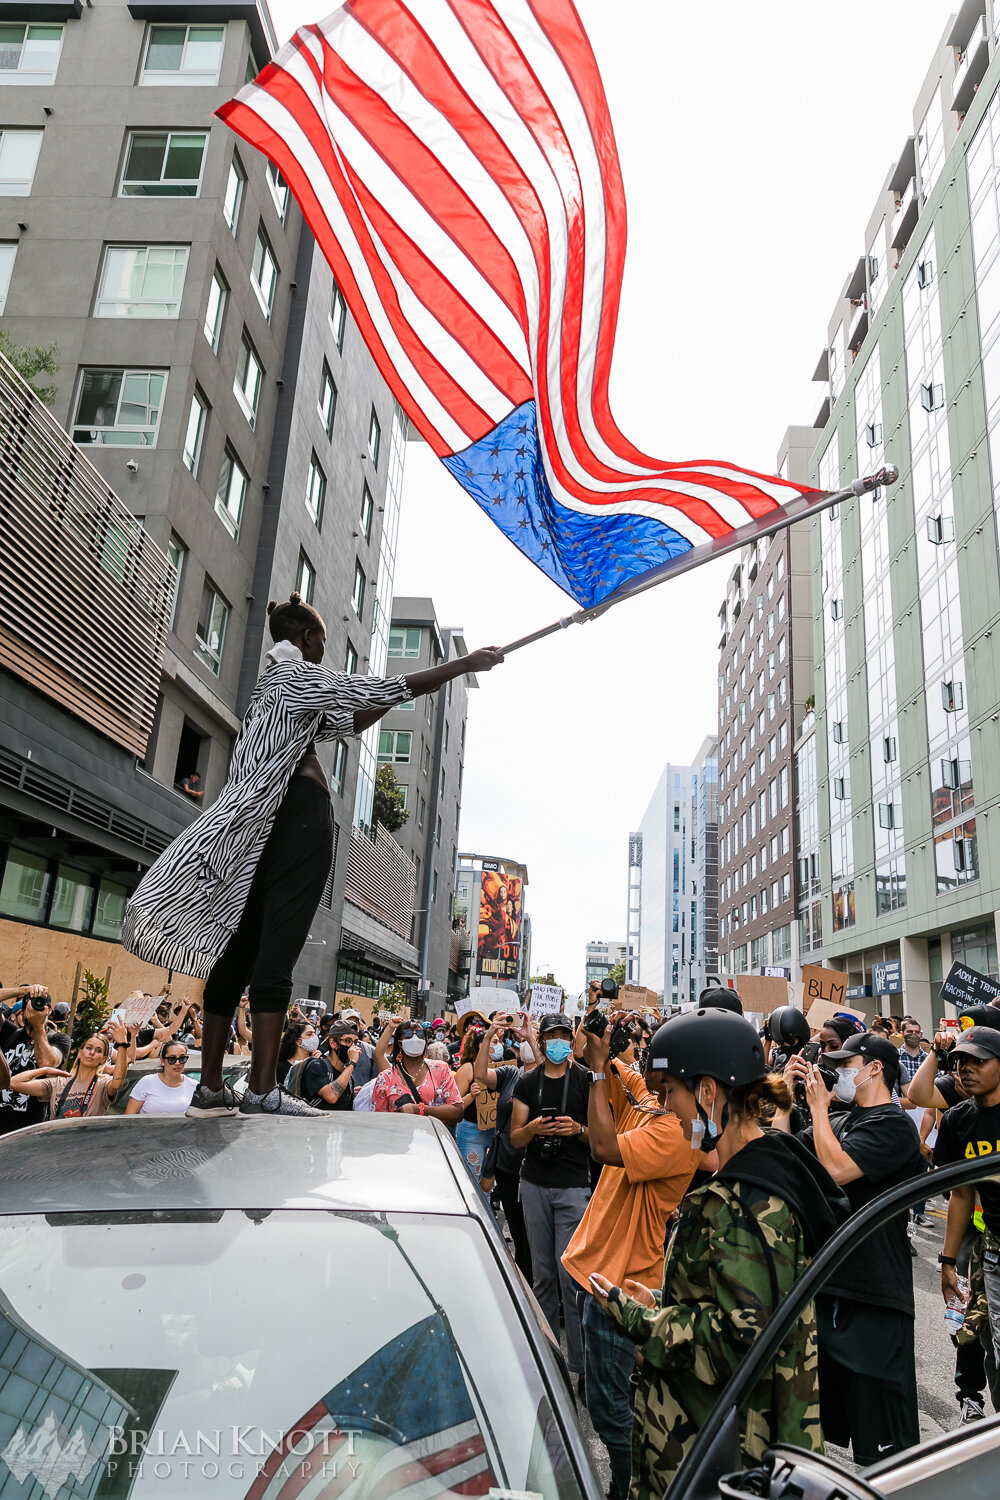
(211, 373)
(672, 890)
(600, 958)
(903, 757)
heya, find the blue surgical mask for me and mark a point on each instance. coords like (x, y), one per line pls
(557, 1052)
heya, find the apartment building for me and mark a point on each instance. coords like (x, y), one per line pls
(601, 957)
(898, 774)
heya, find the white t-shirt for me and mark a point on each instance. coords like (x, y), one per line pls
(158, 1098)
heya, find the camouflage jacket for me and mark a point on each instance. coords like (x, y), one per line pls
(716, 1298)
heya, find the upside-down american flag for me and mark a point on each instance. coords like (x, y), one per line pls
(456, 162)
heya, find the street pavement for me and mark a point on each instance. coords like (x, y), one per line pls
(935, 1353)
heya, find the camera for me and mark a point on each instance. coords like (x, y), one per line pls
(609, 990)
(40, 1002)
(621, 1039)
(550, 1145)
(595, 1022)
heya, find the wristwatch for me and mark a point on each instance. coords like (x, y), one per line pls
(947, 1260)
(596, 1077)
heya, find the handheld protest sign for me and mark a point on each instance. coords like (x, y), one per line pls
(546, 1000)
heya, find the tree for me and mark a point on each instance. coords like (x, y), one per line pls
(617, 972)
(92, 1008)
(394, 999)
(30, 361)
(546, 979)
(387, 807)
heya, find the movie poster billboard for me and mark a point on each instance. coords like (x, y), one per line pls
(500, 901)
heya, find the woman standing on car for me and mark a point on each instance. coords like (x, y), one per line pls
(741, 1242)
(411, 1085)
(167, 1092)
(86, 1089)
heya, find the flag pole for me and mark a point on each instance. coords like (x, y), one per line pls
(798, 509)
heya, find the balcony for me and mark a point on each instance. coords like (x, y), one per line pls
(905, 218)
(823, 415)
(858, 326)
(973, 59)
(381, 880)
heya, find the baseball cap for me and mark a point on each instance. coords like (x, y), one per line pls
(978, 1015)
(876, 1049)
(61, 1011)
(350, 1015)
(980, 1042)
(555, 1022)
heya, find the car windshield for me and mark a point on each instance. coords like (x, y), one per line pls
(265, 1350)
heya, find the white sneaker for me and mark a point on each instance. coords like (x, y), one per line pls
(972, 1410)
(276, 1102)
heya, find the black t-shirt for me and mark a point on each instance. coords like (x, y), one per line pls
(508, 1159)
(316, 1074)
(947, 1087)
(968, 1131)
(18, 1110)
(883, 1142)
(560, 1161)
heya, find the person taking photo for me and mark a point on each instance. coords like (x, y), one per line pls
(85, 1090)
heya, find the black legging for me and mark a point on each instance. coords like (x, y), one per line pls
(293, 869)
(507, 1184)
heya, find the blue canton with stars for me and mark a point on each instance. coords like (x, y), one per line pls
(589, 556)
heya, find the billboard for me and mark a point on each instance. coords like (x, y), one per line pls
(500, 901)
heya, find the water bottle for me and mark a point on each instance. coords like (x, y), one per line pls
(954, 1312)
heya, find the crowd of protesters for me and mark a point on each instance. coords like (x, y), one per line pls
(662, 1186)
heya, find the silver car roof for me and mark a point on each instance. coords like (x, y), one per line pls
(377, 1163)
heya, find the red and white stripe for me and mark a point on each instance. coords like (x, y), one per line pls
(455, 159)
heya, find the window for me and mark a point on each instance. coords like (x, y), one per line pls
(840, 791)
(434, 883)
(956, 774)
(886, 815)
(305, 579)
(339, 766)
(216, 307)
(437, 832)
(839, 732)
(120, 407)
(836, 609)
(404, 794)
(327, 399)
(394, 745)
(782, 736)
(177, 553)
(231, 492)
(940, 529)
(367, 511)
(421, 812)
(196, 423)
(211, 632)
(889, 748)
(109, 911)
(952, 696)
(338, 315)
(279, 189)
(350, 660)
(8, 252)
(26, 886)
(162, 164)
(141, 281)
(315, 490)
(263, 273)
(931, 397)
(183, 55)
(18, 158)
(358, 592)
(925, 273)
(783, 780)
(72, 900)
(29, 54)
(249, 376)
(374, 437)
(873, 434)
(233, 201)
(404, 642)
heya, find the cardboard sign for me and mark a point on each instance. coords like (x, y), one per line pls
(822, 1011)
(486, 1109)
(462, 1007)
(761, 992)
(135, 1013)
(546, 1000)
(823, 984)
(636, 997)
(965, 986)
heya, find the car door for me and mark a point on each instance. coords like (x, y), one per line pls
(966, 1461)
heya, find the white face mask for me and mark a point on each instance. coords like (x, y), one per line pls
(845, 1085)
(413, 1046)
(309, 1043)
(698, 1128)
(527, 1053)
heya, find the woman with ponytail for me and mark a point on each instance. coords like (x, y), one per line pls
(233, 897)
(742, 1241)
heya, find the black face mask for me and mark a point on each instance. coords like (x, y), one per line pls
(342, 1054)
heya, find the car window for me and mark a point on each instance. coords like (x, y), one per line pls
(386, 1348)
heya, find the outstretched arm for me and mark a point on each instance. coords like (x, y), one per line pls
(431, 678)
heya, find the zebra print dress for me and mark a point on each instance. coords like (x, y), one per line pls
(189, 902)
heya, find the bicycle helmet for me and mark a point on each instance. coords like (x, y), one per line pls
(708, 1043)
(788, 1026)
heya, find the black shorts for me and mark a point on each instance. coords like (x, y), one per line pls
(867, 1378)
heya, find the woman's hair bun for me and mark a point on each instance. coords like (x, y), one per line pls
(272, 605)
(295, 598)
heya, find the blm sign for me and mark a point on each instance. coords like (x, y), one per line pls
(965, 986)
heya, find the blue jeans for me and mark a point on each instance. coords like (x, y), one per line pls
(609, 1358)
(473, 1144)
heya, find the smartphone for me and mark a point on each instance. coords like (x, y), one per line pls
(401, 1102)
(548, 1114)
(596, 1285)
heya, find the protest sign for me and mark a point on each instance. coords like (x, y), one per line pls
(761, 992)
(635, 997)
(819, 983)
(486, 1109)
(822, 1011)
(546, 1000)
(135, 1010)
(965, 986)
(463, 1006)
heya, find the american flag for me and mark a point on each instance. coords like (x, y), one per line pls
(456, 162)
(401, 1425)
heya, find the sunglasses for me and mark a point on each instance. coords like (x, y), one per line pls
(177, 1057)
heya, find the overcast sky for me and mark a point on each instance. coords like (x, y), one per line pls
(754, 139)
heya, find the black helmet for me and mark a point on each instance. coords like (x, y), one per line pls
(719, 997)
(976, 1015)
(708, 1043)
(788, 1026)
